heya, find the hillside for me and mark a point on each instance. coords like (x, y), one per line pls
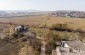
(39, 33)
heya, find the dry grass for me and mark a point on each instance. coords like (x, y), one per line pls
(46, 33)
(41, 20)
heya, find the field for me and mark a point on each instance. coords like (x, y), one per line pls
(75, 23)
(50, 36)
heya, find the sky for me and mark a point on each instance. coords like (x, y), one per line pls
(44, 5)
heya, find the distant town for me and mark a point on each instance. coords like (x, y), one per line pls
(75, 14)
(61, 13)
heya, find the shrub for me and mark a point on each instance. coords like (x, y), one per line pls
(51, 42)
(17, 35)
(60, 26)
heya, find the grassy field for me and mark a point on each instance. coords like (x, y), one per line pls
(74, 23)
(50, 36)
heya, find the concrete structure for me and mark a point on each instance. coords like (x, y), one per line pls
(54, 52)
(58, 51)
(70, 48)
(43, 48)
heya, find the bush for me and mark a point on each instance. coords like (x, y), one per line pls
(60, 26)
(17, 35)
(51, 42)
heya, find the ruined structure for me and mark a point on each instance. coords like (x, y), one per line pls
(43, 48)
(70, 48)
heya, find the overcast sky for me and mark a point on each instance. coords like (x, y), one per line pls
(42, 5)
